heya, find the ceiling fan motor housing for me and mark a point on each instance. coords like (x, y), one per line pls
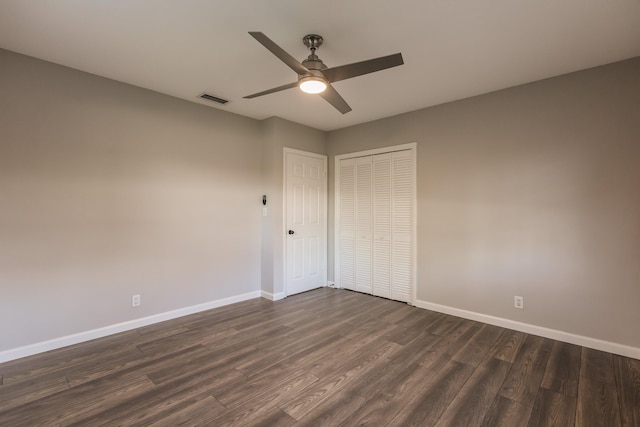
(313, 63)
(313, 73)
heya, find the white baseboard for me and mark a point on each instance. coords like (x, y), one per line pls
(41, 347)
(272, 297)
(611, 347)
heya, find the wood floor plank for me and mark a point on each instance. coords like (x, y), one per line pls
(324, 357)
(200, 412)
(429, 404)
(476, 396)
(527, 371)
(287, 350)
(334, 410)
(552, 409)
(83, 400)
(457, 338)
(399, 366)
(363, 364)
(444, 325)
(157, 402)
(65, 358)
(397, 314)
(103, 364)
(262, 410)
(563, 369)
(123, 357)
(391, 397)
(260, 416)
(390, 393)
(506, 413)
(476, 349)
(248, 337)
(508, 345)
(411, 316)
(597, 365)
(227, 316)
(597, 403)
(241, 392)
(628, 387)
(349, 361)
(446, 347)
(187, 338)
(402, 335)
(202, 361)
(162, 329)
(366, 330)
(14, 395)
(314, 358)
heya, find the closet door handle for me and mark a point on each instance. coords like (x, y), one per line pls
(290, 231)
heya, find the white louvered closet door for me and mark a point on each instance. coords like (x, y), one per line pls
(402, 226)
(376, 225)
(347, 230)
(382, 225)
(364, 225)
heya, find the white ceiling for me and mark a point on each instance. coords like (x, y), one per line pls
(452, 49)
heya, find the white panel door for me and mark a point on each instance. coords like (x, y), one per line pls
(306, 242)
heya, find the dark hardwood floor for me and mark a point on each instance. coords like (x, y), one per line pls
(323, 358)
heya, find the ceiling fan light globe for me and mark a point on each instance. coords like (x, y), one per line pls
(312, 85)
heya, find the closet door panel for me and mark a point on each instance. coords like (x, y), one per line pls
(382, 225)
(364, 224)
(347, 239)
(402, 226)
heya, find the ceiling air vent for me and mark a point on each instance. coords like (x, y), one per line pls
(214, 98)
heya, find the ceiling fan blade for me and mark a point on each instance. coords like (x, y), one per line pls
(333, 97)
(279, 52)
(344, 72)
(275, 89)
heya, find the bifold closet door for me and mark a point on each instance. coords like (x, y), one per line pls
(347, 229)
(376, 224)
(364, 225)
(382, 225)
(356, 237)
(402, 232)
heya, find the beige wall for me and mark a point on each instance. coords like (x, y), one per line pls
(530, 191)
(108, 190)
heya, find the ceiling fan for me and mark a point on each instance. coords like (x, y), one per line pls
(315, 77)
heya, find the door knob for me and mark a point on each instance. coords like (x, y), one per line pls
(290, 231)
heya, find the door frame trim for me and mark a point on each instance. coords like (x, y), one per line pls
(285, 152)
(413, 147)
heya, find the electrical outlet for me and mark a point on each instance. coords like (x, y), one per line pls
(518, 302)
(135, 300)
